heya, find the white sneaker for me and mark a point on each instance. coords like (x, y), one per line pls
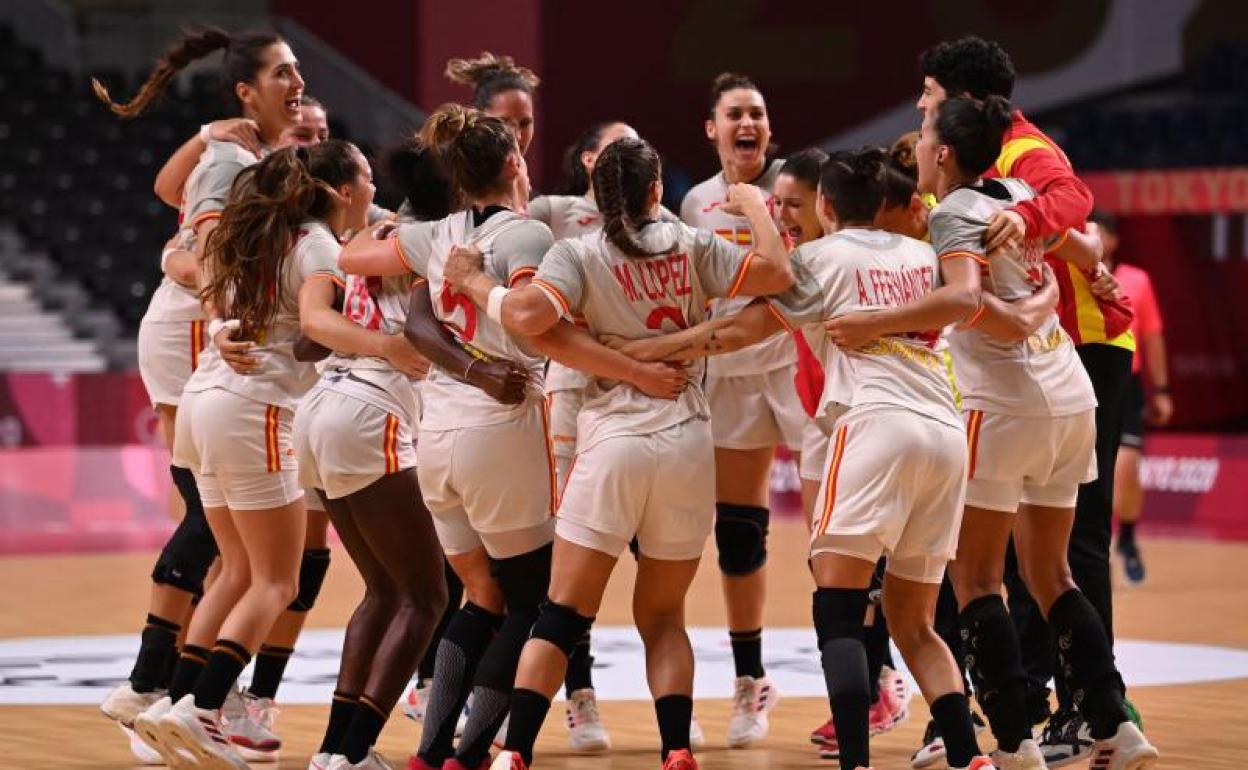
(373, 761)
(145, 754)
(123, 704)
(1127, 750)
(415, 702)
(697, 738)
(200, 731)
(585, 729)
(147, 728)
(320, 761)
(508, 760)
(500, 737)
(249, 726)
(1028, 757)
(752, 700)
(894, 680)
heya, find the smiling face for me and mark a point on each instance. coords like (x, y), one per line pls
(313, 128)
(741, 132)
(796, 209)
(272, 97)
(515, 108)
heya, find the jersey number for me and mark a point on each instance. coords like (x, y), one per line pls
(452, 300)
(666, 312)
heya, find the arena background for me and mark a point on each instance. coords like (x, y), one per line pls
(1149, 99)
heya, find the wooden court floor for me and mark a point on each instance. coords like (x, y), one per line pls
(1196, 593)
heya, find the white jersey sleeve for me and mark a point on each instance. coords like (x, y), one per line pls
(208, 187)
(413, 241)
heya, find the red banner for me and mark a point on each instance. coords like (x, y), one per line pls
(1190, 191)
(1196, 484)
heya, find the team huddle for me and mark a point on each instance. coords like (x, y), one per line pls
(492, 395)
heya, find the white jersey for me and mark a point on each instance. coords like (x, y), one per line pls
(701, 208)
(207, 189)
(637, 298)
(279, 380)
(854, 270)
(1038, 377)
(571, 216)
(513, 248)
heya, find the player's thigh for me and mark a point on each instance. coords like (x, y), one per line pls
(679, 512)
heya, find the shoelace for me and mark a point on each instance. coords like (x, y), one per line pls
(743, 698)
(1063, 728)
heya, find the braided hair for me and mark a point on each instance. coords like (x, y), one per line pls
(622, 178)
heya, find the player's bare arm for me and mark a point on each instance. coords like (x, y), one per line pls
(367, 254)
(321, 323)
(171, 179)
(958, 300)
(712, 337)
(1018, 320)
(503, 380)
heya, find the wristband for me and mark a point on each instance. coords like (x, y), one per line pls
(217, 324)
(494, 304)
(205, 132)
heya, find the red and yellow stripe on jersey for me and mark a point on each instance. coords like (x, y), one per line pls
(1085, 317)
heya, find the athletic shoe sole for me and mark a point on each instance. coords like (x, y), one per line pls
(150, 733)
(181, 736)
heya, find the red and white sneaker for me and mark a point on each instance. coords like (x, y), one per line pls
(978, 763)
(508, 760)
(416, 701)
(249, 726)
(887, 712)
(147, 728)
(200, 731)
(752, 700)
(1127, 750)
(892, 679)
(680, 759)
(824, 734)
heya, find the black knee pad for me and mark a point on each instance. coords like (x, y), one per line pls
(184, 561)
(562, 626)
(312, 569)
(523, 579)
(741, 535)
(839, 613)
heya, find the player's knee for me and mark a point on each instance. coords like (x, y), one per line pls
(561, 626)
(312, 570)
(523, 579)
(741, 536)
(839, 613)
(184, 561)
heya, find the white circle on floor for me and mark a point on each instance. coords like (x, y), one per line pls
(81, 669)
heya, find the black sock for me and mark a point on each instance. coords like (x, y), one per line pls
(158, 646)
(528, 712)
(747, 652)
(361, 734)
(454, 596)
(674, 713)
(838, 616)
(186, 674)
(460, 651)
(341, 710)
(952, 714)
(225, 663)
(995, 663)
(875, 642)
(580, 668)
(1126, 532)
(1086, 662)
(270, 666)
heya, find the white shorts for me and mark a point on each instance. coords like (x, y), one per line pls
(345, 440)
(1036, 460)
(564, 407)
(814, 452)
(168, 353)
(894, 483)
(490, 486)
(659, 487)
(239, 450)
(756, 411)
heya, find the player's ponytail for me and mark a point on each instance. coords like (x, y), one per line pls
(853, 182)
(269, 201)
(472, 146)
(241, 63)
(623, 174)
(973, 130)
(489, 75)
